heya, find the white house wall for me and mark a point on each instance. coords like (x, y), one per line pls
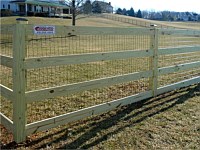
(13, 7)
(45, 9)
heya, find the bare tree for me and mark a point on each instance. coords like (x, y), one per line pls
(75, 8)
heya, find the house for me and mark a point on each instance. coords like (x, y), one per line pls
(105, 7)
(158, 16)
(31, 7)
(183, 16)
(5, 4)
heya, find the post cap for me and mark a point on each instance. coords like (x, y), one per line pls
(153, 25)
(21, 19)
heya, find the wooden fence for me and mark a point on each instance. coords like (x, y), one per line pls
(133, 21)
(20, 64)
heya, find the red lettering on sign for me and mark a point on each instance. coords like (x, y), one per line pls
(44, 28)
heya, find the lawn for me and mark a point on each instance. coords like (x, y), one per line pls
(170, 121)
(149, 124)
(81, 21)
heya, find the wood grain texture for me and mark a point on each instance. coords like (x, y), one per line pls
(19, 83)
(84, 58)
(154, 61)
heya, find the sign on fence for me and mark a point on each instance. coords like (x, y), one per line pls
(44, 30)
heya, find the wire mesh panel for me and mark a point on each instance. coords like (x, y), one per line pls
(6, 48)
(68, 74)
(6, 80)
(52, 76)
(6, 76)
(6, 39)
(176, 59)
(179, 41)
(6, 107)
(78, 44)
(65, 104)
(177, 77)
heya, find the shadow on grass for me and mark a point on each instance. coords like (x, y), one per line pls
(122, 118)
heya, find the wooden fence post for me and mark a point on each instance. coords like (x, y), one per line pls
(154, 60)
(19, 81)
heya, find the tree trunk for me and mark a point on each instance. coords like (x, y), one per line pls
(73, 13)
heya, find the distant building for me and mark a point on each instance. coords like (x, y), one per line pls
(26, 7)
(158, 16)
(5, 4)
(105, 7)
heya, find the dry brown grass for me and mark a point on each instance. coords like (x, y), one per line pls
(100, 22)
(170, 121)
(82, 21)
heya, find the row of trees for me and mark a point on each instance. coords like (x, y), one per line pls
(89, 8)
(81, 6)
(130, 12)
(162, 15)
(171, 16)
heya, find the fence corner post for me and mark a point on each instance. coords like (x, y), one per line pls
(19, 80)
(154, 60)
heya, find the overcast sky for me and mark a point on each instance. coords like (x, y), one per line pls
(158, 5)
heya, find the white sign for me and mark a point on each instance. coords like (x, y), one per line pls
(44, 30)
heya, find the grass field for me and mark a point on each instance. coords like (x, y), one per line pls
(158, 123)
(100, 22)
(91, 21)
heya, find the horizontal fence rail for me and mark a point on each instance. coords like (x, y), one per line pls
(7, 93)
(179, 32)
(82, 30)
(178, 85)
(137, 70)
(6, 122)
(78, 87)
(74, 116)
(84, 58)
(6, 61)
(178, 50)
(182, 67)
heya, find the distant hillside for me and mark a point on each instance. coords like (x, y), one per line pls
(105, 20)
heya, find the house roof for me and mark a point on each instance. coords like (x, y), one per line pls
(40, 2)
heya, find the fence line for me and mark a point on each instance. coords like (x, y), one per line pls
(23, 68)
(136, 21)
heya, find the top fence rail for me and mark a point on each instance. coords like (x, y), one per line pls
(82, 30)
